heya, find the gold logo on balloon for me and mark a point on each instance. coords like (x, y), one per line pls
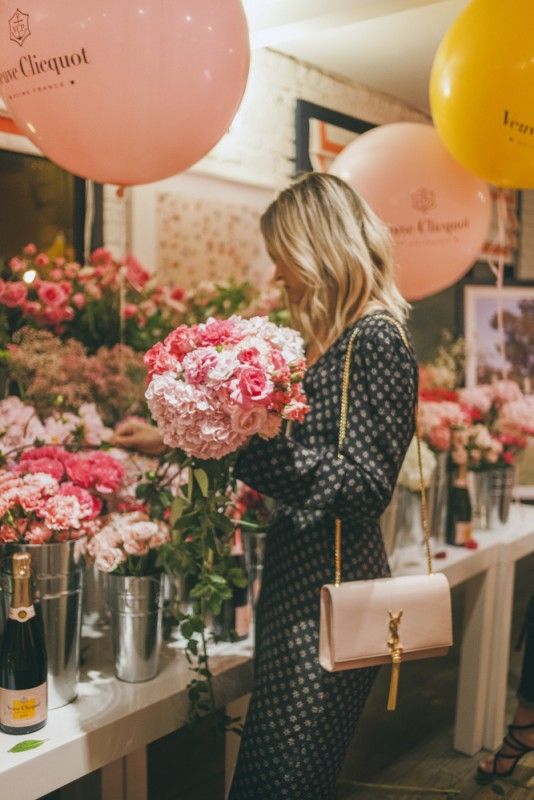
(19, 27)
(423, 200)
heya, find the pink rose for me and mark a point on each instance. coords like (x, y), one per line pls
(53, 294)
(136, 274)
(30, 250)
(78, 300)
(251, 387)
(249, 421)
(31, 308)
(109, 558)
(129, 310)
(178, 294)
(272, 426)
(101, 257)
(42, 260)
(17, 265)
(440, 438)
(56, 274)
(13, 294)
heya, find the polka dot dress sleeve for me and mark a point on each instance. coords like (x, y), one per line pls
(381, 423)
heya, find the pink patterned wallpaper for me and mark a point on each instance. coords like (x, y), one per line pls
(201, 239)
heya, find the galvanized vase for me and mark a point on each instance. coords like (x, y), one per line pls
(136, 606)
(58, 582)
(492, 496)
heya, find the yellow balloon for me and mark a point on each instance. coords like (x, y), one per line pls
(482, 91)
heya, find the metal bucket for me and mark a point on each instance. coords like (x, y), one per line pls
(57, 584)
(438, 494)
(95, 609)
(136, 606)
(492, 495)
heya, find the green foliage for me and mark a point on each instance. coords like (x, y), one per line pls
(200, 554)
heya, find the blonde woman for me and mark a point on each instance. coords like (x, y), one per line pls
(333, 256)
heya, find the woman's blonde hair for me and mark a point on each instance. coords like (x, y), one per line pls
(326, 233)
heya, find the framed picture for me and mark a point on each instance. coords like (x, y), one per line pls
(484, 362)
(483, 357)
(42, 203)
(321, 134)
(195, 227)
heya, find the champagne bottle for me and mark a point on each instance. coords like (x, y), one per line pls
(459, 512)
(23, 662)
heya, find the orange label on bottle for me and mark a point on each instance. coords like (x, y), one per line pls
(22, 614)
(19, 708)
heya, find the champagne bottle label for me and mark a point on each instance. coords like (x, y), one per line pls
(22, 614)
(463, 532)
(20, 708)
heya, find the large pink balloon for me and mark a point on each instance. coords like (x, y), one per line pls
(120, 91)
(438, 212)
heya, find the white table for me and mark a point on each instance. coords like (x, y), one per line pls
(111, 722)
(489, 576)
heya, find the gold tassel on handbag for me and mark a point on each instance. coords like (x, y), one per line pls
(384, 620)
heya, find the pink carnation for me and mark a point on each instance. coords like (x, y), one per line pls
(219, 332)
(158, 360)
(46, 466)
(38, 533)
(60, 513)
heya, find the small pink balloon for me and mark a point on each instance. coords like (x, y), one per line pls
(124, 92)
(438, 213)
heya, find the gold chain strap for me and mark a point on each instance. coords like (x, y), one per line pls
(341, 439)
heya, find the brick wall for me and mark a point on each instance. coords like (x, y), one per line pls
(260, 146)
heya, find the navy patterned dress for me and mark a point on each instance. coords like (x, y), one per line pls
(302, 718)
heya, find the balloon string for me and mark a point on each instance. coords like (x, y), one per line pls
(497, 267)
(122, 306)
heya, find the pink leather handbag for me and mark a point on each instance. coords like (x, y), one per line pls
(385, 620)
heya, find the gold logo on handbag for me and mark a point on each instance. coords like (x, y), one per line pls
(396, 657)
(345, 645)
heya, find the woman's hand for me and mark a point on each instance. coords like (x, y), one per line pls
(137, 435)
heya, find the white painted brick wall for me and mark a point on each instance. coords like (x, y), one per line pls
(260, 147)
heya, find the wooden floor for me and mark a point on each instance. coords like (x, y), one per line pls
(436, 766)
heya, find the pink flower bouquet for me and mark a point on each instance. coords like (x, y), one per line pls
(53, 495)
(128, 543)
(215, 384)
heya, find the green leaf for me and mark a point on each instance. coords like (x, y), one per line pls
(27, 744)
(202, 479)
(177, 508)
(222, 523)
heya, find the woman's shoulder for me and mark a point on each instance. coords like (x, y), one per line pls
(382, 331)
